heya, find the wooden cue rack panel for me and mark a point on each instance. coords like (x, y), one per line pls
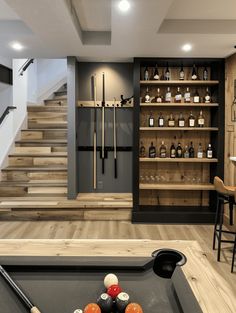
(177, 190)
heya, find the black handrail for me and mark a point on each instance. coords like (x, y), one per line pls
(24, 67)
(6, 112)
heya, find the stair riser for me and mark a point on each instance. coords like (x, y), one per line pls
(56, 102)
(47, 124)
(59, 116)
(29, 176)
(44, 134)
(32, 191)
(32, 150)
(49, 108)
(40, 144)
(37, 161)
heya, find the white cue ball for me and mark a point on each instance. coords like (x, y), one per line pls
(78, 311)
(110, 279)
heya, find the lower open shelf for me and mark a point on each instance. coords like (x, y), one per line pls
(177, 186)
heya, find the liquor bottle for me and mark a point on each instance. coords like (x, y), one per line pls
(156, 75)
(196, 97)
(142, 150)
(162, 150)
(207, 97)
(151, 120)
(160, 120)
(171, 121)
(178, 96)
(167, 72)
(146, 73)
(181, 73)
(152, 151)
(186, 152)
(191, 150)
(200, 151)
(205, 73)
(159, 96)
(209, 152)
(147, 97)
(168, 95)
(179, 151)
(200, 120)
(181, 120)
(187, 96)
(172, 151)
(194, 73)
(191, 120)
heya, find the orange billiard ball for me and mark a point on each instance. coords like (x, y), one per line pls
(133, 308)
(92, 308)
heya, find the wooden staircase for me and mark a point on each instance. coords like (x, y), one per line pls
(34, 184)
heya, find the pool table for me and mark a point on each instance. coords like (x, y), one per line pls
(62, 275)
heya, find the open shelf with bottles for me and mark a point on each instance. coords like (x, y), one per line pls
(166, 187)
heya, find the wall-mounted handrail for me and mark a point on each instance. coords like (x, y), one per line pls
(24, 67)
(6, 112)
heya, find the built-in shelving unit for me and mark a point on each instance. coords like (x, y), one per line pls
(177, 190)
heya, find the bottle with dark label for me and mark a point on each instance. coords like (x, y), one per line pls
(168, 95)
(187, 96)
(162, 150)
(200, 120)
(156, 75)
(171, 121)
(194, 73)
(200, 151)
(186, 152)
(151, 120)
(178, 96)
(146, 74)
(191, 120)
(159, 96)
(209, 152)
(172, 151)
(147, 97)
(181, 120)
(152, 151)
(179, 151)
(196, 97)
(191, 150)
(161, 120)
(181, 73)
(167, 72)
(207, 97)
(142, 150)
(205, 73)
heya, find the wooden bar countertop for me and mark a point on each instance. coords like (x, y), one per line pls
(210, 289)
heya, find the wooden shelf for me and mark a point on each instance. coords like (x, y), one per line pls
(173, 104)
(177, 186)
(179, 128)
(177, 160)
(180, 82)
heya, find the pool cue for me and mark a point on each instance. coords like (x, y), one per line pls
(103, 123)
(95, 134)
(114, 138)
(18, 291)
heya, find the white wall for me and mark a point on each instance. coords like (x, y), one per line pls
(32, 83)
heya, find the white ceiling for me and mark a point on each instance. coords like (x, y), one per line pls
(96, 30)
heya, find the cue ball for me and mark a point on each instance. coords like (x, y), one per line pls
(105, 303)
(78, 311)
(122, 300)
(110, 279)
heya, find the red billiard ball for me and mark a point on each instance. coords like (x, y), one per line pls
(114, 290)
(133, 308)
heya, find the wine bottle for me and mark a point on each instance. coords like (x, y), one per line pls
(159, 96)
(191, 150)
(168, 95)
(205, 73)
(209, 152)
(194, 73)
(151, 120)
(147, 97)
(146, 73)
(181, 120)
(191, 120)
(187, 96)
(178, 96)
(156, 75)
(171, 121)
(179, 151)
(167, 72)
(142, 151)
(162, 150)
(172, 151)
(186, 152)
(200, 120)
(196, 97)
(181, 73)
(152, 151)
(160, 120)
(200, 151)
(207, 98)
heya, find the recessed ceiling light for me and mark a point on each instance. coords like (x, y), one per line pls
(187, 47)
(124, 5)
(16, 46)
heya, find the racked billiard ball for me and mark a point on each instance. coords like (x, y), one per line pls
(78, 311)
(92, 308)
(122, 300)
(114, 290)
(110, 279)
(133, 308)
(105, 303)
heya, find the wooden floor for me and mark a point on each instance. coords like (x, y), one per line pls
(122, 230)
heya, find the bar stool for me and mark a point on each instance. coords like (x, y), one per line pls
(225, 195)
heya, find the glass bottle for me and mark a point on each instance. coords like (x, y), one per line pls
(205, 73)
(172, 151)
(161, 120)
(186, 152)
(151, 120)
(152, 151)
(159, 96)
(162, 150)
(191, 120)
(147, 97)
(142, 150)
(179, 151)
(146, 74)
(207, 97)
(181, 120)
(167, 72)
(178, 96)
(200, 151)
(194, 73)
(168, 95)
(156, 75)
(191, 150)
(187, 96)
(181, 73)
(196, 97)
(171, 121)
(200, 120)
(209, 152)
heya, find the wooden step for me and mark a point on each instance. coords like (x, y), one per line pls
(59, 116)
(32, 150)
(39, 155)
(44, 108)
(36, 124)
(44, 134)
(42, 143)
(55, 102)
(14, 191)
(37, 161)
(61, 93)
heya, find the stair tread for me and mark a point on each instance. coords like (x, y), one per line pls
(40, 155)
(26, 168)
(42, 140)
(42, 129)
